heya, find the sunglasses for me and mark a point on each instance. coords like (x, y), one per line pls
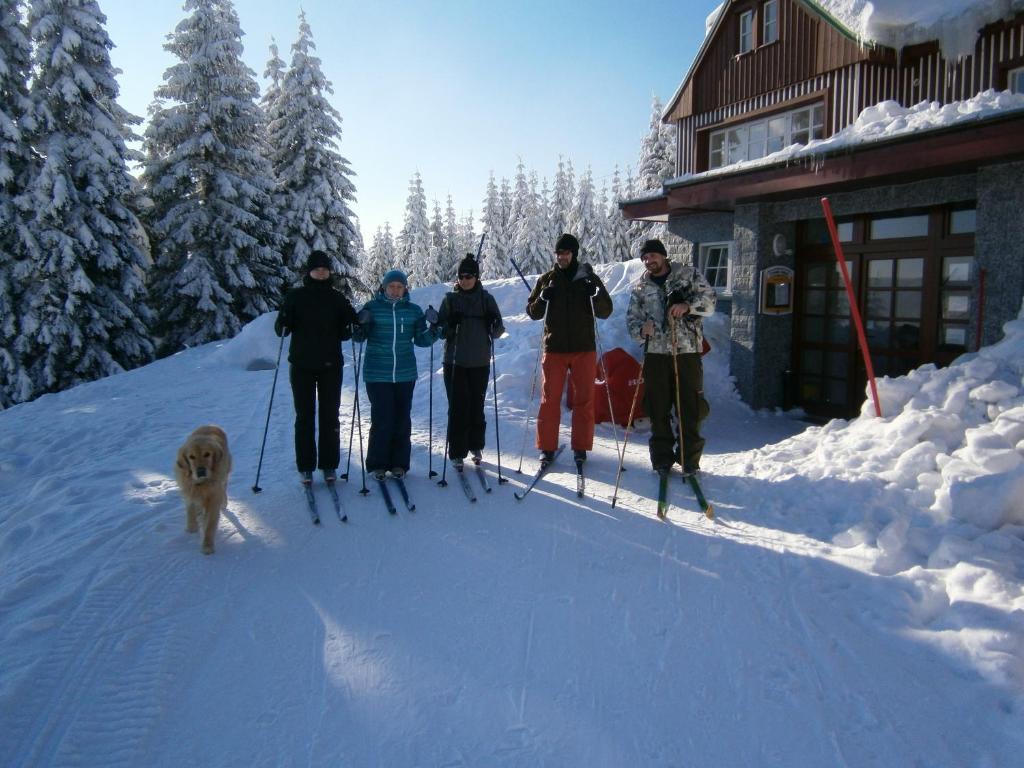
(563, 253)
(466, 276)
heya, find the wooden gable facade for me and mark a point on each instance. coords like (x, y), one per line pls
(815, 60)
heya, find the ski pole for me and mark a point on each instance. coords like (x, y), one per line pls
(430, 431)
(497, 432)
(520, 273)
(533, 392)
(364, 491)
(629, 421)
(277, 366)
(604, 374)
(352, 418)
(448, 427)
(679, 402)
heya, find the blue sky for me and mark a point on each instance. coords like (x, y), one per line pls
(455, 89)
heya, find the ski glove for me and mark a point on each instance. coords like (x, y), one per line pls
(365, 318)
(431, 315)
(549, 293)
(494, 327)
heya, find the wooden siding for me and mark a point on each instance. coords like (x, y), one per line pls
(920, 74)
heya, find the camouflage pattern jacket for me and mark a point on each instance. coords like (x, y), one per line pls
(648, 301)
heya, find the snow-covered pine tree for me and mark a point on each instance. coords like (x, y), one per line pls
(217, 263)
(274, 73)
(598, 248)
(314, 188)
(618, 227)
(655, 166)
(562, 197)
(380, 258)
(582, 217)
(450, 250)
(469, 240)
(519, 202)
(531, 244)
(414, 239)
(83, 313)
(637, 230)
(437, 226)
(18, 251)
(495, 253)
(550, 227)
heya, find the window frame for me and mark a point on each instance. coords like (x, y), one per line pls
(741, 147)
(703, 251)
(746, 19)
(774, 21)
(1017, 73)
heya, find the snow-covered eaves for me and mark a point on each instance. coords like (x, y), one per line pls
(953, 24)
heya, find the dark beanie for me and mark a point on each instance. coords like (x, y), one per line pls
(653, 246)
(318, 259)
(568, 243)
(469, 266)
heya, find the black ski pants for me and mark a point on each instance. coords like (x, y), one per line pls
(390, 444)
(467, 391)
(660, 402)
(308, 388)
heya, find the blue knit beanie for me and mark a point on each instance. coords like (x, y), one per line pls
(395, 276)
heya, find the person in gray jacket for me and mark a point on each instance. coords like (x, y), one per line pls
(471, 321)
(665, 310)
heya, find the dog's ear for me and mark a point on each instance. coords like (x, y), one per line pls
(181, 462)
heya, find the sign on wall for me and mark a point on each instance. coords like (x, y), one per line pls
(777, 291)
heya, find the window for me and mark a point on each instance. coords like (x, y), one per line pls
(760, 138)
(713, 262)
(746, 31)
(1015, 80)
(885, 228)
(770, 22)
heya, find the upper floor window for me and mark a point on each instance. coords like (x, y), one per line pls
(759, 138)
(770, 22)
(1015, 80)
(713, 262)
(746, 31)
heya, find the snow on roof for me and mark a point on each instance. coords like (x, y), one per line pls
(882, 121)
(897, 23)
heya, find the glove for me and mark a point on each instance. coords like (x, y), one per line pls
(365, 318)
(494, 327)
(283, 330)
(431, 315)
(549, 293)
(593, 287)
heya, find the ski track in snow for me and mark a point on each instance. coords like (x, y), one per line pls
(557, 631)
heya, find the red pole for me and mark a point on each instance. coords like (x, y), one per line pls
(854, 309)
(981, 309)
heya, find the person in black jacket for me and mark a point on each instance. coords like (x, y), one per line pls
(471, 320)
(319, 318)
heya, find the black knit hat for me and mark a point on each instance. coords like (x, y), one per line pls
(653, 246)
(469, 266)
(318, 259)
(568, 243)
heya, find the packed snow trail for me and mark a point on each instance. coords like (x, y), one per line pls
(555, 631)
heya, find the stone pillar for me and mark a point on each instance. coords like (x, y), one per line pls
(999, 245)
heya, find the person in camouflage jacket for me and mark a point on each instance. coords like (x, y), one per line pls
(665, 312)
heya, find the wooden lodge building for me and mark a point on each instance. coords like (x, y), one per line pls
(931, 222)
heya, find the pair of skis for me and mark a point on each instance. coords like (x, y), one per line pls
(464, 481)
(663, 477)
(581, 481)
(335, 500)
(402, 490)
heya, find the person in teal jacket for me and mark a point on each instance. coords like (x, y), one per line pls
(391, 325)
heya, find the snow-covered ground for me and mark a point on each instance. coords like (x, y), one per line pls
(858, 602)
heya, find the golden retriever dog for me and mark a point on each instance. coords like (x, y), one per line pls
(202, 469)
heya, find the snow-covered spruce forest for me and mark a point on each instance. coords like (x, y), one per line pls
(122, 240)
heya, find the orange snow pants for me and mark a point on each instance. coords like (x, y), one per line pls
(580, 367)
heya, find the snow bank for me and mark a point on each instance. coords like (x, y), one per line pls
(897, 23)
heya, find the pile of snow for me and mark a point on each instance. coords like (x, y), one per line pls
(898, 23)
